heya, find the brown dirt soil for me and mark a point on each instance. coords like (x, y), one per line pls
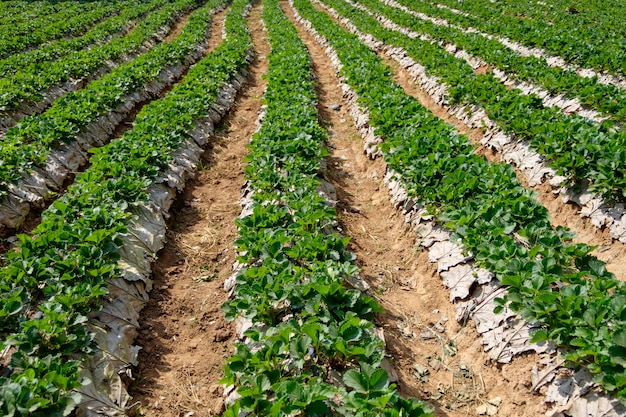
(178, 28)
(484, 69)
(420, 328)
(184, 336)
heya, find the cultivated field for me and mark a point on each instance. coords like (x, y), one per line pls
(312, 208)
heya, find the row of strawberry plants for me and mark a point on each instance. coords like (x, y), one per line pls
(33, 83)
(588, 46)
(567, 15)
(71, 21)
(59, 275)
(577, 148)
(602, 14)
(608, 99)
(111, 27)
(581, 305)
(45, 17)
(307, 327)
(19, 11)
(36, 145)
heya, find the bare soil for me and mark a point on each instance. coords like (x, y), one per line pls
(184, 336)
(483, 69)
(178, 28)
(437, 359)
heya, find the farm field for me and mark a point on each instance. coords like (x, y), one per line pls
(312, 207)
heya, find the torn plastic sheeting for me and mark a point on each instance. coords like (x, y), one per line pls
(148, 227)
(184, 164)
(90, 136)
(483, 313)
(413, 216)
(120, 340)
(162, 196)
(536, 174)
(130, 272)
(70, 158)
(136, 292)
(447, 255)
(577, 396)
(56, 171)
(328, 192)
(410, 206)
(32, 190)
(617, 229)
(461, 278)
(105, 395)
(135, 253)
(496, 141)
(13, 211)
(117, 314)
(428, 235)
(510, 339)
(593, 210)
(189, 155)
(202, 132)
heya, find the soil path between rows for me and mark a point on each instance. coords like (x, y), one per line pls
(437, 359)
(184, 336)
(178, 28)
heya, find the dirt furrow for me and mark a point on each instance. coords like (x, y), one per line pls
(437, 359)
(183, 333)
(178, 28)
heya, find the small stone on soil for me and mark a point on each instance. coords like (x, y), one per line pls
(221, 335)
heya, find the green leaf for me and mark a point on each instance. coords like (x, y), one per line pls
(354, 380)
